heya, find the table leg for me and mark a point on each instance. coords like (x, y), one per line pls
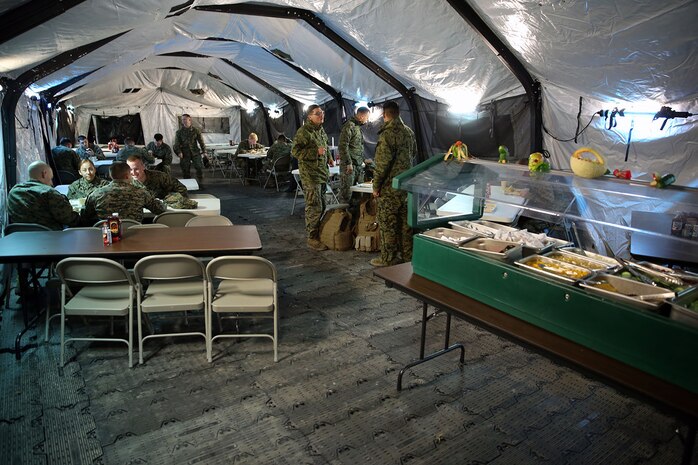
(445, 350)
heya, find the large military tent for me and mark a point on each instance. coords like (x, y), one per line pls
(548, 75)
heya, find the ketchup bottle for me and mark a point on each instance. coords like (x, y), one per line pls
(115, 227)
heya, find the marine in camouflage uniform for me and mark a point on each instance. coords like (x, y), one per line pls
(185, 146)
(81, 188)
(65, 159)
(278, 149)
(122, 197)
(351, 154)
(164, 153)
(309, 142)
(162, 184)
(129, 150)
(36, 201)
(395, 139)
(84, 148)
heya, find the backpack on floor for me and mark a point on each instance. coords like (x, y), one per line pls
(335, 229)
(366, 230)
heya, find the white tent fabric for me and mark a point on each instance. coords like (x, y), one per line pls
(635, 55)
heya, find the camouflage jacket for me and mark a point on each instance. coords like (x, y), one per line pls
(80, 189)
(128, 150)
(65, 159)
(34, 202)
(185, 142)
(120, 197)
(312, 166)
(162, 184)
(164, 152)
(244, 147)
(351, 143)
(276, 151)
(397, 140)
(96, 150)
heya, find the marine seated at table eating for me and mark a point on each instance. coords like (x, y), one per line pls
(158, 149)
(89, 181)
(249, 145)
(64, 157)
(158, 183)
(36, 201)
(120, 196)
(280, 148)
(130, 148)
(87, 150)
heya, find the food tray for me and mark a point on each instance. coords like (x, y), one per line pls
(679, 307)
(481, 227)
(449, 236)
(499, 250)
(554, 269)
(611, 263)
(579, 260)
(628, 290)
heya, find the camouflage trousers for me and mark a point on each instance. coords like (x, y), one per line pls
(314, 207)
(346, 180)
(396, 235)
(185, 163)
(164, 168)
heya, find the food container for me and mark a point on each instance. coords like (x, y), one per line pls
(499, 250)
(579, 260)
(482, 227)
(449, 236)
(554, 269)
(611, 263)
(680, 304)
(627, 290)
(500, 231)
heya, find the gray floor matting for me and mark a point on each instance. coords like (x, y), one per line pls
(331, 398)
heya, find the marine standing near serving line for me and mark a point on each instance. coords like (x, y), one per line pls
(36, 201)
(394, 152)
(185, 146)
(351, 153)
(89, 181)
(159, 149)
(120, 196)
(311, 149)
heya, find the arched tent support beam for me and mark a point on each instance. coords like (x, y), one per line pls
(530, 85)
(27, 16)
(267, 124)
(50, 93)
(319, 25)
(324, 86)
(15, 88)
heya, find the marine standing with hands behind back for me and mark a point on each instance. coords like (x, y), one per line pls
(351, 153)
(394, 152)
(310, 147)
(185, 146)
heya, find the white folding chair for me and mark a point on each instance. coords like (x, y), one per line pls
(169, 283)
(149, 226)
(245, 288)
(281, 166)
(102, 287)
(299, 189)
(212, 220)
(174, 219)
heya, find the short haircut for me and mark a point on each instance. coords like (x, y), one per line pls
(186, 115)
(363, 110)
(312, 108)
(157, 136)
(135, 157)
(81, 137)
(253, 135)
(391, 108)
(86, 160)
(112, 138)
(119, 170)
(129, 141)
(282, 138)
(65, 141)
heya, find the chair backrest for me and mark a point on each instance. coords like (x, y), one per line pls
(78, 228)
(282, 164)
(149, 226)
(235, 267)
(92, 271)
(216, 220)
(174, 219)
(103, 172)
(66, 177)
(172, 266)
(25, 227)
(126, 223)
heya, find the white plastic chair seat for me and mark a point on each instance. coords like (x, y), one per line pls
(250, 295)
(181, 295)
(106, 300)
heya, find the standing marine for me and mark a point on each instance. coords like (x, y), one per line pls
(185, 146)
(351, 153)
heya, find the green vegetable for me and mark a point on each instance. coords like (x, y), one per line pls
(626, 274)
